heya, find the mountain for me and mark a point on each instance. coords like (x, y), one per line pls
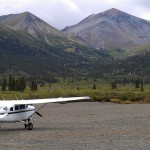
(30, 24)
(111, 29)
(24, 53)
(30, 46)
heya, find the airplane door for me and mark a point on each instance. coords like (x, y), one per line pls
(11, 114)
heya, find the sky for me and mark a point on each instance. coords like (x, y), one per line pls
(62, 13)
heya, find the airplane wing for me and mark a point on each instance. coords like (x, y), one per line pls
(40, 101)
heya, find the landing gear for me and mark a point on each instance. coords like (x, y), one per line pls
(25, 125)
(29, 125)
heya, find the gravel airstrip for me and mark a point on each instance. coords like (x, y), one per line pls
(82, 126)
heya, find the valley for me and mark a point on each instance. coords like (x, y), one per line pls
(30, 47)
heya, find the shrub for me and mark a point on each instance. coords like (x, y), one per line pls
(115, 100)
(136, 97)
(99, 99)
(124, 96)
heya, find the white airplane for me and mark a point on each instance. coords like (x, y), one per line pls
(22, 110)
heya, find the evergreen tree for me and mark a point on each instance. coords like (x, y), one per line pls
(22, 84)
(13, 84)
(4, 84)
(33, 86)
(78, 88)
(10, 83)
(94, 86)
(114, 85)
(16, 84)
(142, 87)
(137, 83)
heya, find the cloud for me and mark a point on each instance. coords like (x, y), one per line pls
(8, 6)
(113, 2)
(61, 13)
(58, 13)
(70, 5)
(144, 3)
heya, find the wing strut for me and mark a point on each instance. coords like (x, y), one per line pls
(41, 107)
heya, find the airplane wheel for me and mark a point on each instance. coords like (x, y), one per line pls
(29, 126)
(25, 125)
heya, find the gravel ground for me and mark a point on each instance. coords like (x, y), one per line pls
(82, 126)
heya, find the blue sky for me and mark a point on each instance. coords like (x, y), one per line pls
(62, 13)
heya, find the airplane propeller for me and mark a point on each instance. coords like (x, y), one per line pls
(38, 114)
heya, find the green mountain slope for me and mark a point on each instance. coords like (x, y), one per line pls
(24, 53)
(120, 53)
(30, 24)
(138, 64)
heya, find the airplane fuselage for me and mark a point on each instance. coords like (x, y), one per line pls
(16, 113)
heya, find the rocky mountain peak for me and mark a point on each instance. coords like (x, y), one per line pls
(29, 16)
(114, 12)
(27, 13)
(111, 29)
(31, 24)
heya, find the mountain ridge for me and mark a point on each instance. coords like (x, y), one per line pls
(20, 51)
(111, 29)
(29, 52)
(33, 25)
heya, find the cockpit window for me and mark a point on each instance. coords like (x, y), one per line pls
(22, 106)
(5, 108)
(11, 109)
(16, 107)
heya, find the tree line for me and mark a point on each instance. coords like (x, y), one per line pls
(13, 83)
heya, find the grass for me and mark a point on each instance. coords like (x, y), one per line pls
(69, 88)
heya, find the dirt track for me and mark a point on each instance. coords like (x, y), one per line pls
(82, 126)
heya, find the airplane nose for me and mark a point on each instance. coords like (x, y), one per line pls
(31, 107)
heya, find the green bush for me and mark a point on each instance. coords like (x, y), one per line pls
(115, 100)
(124, 96)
